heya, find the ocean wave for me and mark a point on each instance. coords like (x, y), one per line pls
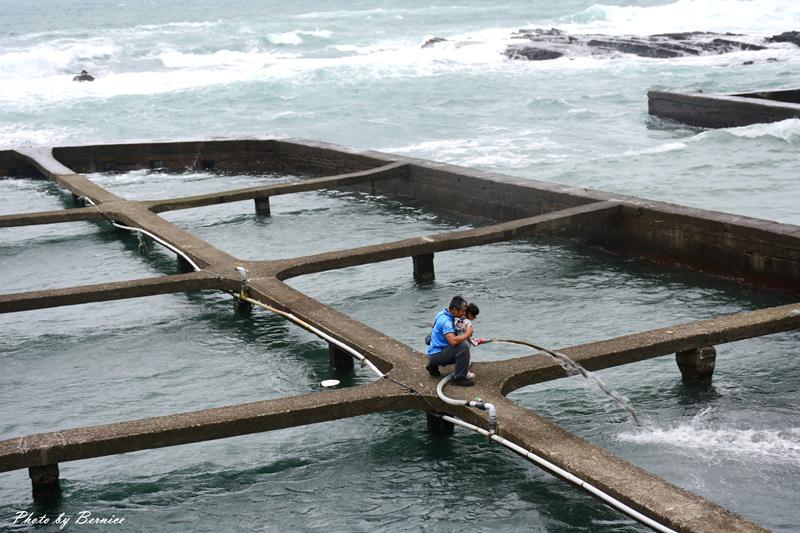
(57, 89)
(179, 25)
(496, 150)
(401, 12)
(295, 37)
(12, 135)
(760, 17)
(55, 57)
(397, 12)
(660, 149)
(252, 59)
(786, 130)
(774, 445)
(112, 33)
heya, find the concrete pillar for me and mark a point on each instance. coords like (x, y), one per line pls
(439, 427)
(183, 265)
(698, 364)
(340, 359)
(423, 267)
(262, 206)
(44, 480)
(240, 306)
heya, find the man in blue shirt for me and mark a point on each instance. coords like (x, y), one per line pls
(447, 347)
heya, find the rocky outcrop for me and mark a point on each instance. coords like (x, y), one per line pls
(430, 42)
(543, 45)
(786, 37)
(539, 45)
(532, 53)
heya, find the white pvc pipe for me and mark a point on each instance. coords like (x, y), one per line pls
(442, 396)
(161, 242)
(316, 331)
(575, 480)
(140, 230)
(543, 463)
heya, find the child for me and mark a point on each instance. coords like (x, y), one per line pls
(462, 323)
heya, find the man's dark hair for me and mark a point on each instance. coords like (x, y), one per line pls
(473, 310)
(458, 302)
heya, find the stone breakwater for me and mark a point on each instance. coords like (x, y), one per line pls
(542, 45)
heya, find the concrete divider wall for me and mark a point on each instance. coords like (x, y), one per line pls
(718, 111)
(789, 95)
(487, 196)
(173, 156)
(477, 195)
(756, 251)
(12, 166)
(321, 159)
(225, 155)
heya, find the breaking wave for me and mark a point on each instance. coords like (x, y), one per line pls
(498, 150)
(786, 130)
(774, 445)
(660, 149)
(296, 37)
(30, 135)
(55, 57)
(761, 17)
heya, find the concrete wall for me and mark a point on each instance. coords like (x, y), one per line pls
(225, 156)
(718, 111)
(12, 166)
(791, 96)
(760, 252)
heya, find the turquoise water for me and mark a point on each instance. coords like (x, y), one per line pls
(353, 73)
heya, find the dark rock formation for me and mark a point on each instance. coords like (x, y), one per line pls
(542, 45)
(532, 54)
(433, 40)
(786, 37)
(83, 76)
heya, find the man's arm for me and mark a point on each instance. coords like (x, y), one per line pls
(453, 339)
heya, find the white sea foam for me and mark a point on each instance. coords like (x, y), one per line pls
(495, 149)
(12, 135)
(660, 149)
(397, 12)
(122, 68)
(774, 445)
(179, 25)
(61, 56)
(745, 16)
(54, 89)
(296, 37)
(243, 60)
(785, 130)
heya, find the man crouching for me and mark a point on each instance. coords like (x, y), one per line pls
(447, 347)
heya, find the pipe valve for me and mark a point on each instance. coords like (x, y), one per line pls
(243, 273)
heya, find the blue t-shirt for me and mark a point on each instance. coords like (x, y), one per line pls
(442, 325)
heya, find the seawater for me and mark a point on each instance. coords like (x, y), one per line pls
(354, 73)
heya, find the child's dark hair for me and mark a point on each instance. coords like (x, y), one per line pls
(473, 310)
